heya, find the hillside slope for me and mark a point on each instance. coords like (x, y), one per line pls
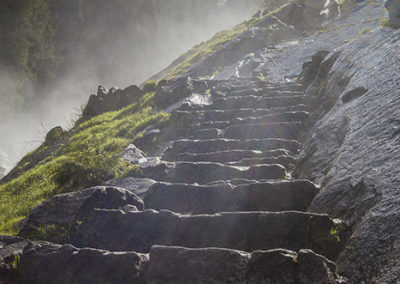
(277, 161)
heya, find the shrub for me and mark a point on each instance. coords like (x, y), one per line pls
(150, 86)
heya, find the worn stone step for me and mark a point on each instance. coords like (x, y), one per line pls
(287, 86)
(261, 85)
(296, 116)
(264, 92)
(229, 156)
(195, 199)
(178, 265)
(205, 172)
(24, 261)
(227, 115)
(217, 145)
(208, 133)
(285, 160)
(279, 117)
(284, 130)
(116, 230)
(256, 102)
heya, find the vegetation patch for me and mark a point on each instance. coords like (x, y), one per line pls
(89, 155)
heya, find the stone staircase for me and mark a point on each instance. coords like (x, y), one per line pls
(224, 208)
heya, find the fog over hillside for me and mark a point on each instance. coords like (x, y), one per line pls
(112, 43)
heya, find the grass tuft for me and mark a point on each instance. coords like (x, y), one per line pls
(90, 155)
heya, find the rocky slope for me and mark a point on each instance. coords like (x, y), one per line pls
(278, 168)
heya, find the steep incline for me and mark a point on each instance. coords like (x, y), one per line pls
(220, 190)
(282, 164)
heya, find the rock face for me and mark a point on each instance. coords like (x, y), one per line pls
(139, 231)
(113, 99)
(353, 154)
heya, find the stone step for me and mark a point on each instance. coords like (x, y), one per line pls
(116, 230)
(178, 265)
(264, 92)
(296, 116)
(24, 261)
(228, 115)
(299, 116)
(206, 172)
(229, 156)
(217, 145)
(290, 86)
(195, 199)
(283, 130)
(260, 85)
(256, 102)
(285, 160)
(207, 133)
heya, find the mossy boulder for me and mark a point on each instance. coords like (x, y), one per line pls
(54, 136)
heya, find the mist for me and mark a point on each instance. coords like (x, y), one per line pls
(109, 43)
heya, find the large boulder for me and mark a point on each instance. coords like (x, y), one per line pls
(53, 219)
(169, 93)
(23, 261)
(302, 14)
(113, 99)
(54, 136)
(138, 186)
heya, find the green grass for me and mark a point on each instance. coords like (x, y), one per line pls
(87, 157)
(199, 52)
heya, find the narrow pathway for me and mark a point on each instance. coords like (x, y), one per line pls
(225, 189)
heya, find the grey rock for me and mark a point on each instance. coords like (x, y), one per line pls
(204, 134)
(285, 160)
(67, 210)
(115, 99)
(134, 155)
(172, 92)
(218, 145)
(232, 103)
(212, 265)
(23, 261)
(138, 186)
(353, 152)
(230, 155)
(284, 130)
(279, 117)
(139, 231)
(271, 196)
(353, 94)
(206, 172)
